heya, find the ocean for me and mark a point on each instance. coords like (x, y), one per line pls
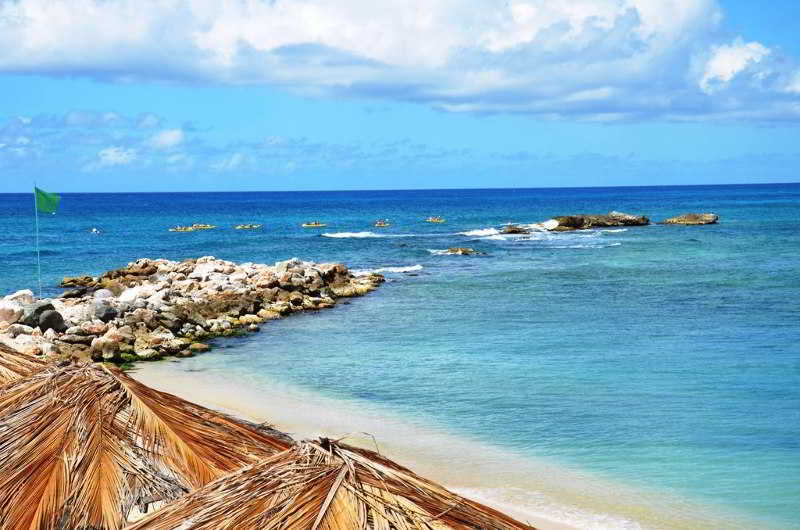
(660, 362)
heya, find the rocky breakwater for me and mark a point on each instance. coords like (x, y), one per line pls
(585, 221)
(153, 308)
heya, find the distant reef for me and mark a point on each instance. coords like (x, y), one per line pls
(692, 219)
(586, 221)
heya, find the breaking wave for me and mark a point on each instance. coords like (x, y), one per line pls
(381, 270)
(352, 234)
(482, 232)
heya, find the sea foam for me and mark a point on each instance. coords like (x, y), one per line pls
(351, 234)
(482, 232)
(382, 270)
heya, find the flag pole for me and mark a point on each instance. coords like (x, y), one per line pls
(38, 254)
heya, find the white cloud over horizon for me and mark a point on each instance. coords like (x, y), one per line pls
(577, 59)
(112, 156)
(167, 139)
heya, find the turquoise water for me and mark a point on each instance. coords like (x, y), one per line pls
(665, 357)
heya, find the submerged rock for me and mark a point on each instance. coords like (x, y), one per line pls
(464, 251)
(514, 229)
(693, 219)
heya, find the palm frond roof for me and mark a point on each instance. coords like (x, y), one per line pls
(327, 486)
(80, 445)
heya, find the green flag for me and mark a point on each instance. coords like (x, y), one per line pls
(46, 202)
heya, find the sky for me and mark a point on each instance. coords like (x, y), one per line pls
(198, 95)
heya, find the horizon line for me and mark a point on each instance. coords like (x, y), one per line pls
(426, 189)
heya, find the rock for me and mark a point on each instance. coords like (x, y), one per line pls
(94, 328)
(104, 312)
(51, 319)
(585, 221)
(266, 314)
(75, 293)
(16, 330)
(250, 319)
(464, 251)
(77, 339)
(32, 312)
(296, 298)
(514, 229)
(174, 346)
(21, 297)
(253, 328)
(199, 347)
(120, 335)
(103, 348)
(79, 312)
(169, 321)
(50, 334)
(145, 316)
(147, 354)
(693, 219)
(77, 281)
(146, 340)
(75, 330)
(103, 293)
(11, 311)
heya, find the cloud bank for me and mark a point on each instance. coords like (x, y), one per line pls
(118, 150)
(580, 59)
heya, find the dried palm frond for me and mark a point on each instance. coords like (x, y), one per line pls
(325, 486)
(80, 445)
(14, 364)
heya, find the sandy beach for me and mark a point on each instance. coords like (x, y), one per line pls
(540, 493)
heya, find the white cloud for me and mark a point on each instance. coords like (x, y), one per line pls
(114, 156)
(230, 163)
(793, 85)
(148, 120)
(554, 58)
(728, 60)
(167, 139)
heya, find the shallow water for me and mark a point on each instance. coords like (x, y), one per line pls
(660, 358)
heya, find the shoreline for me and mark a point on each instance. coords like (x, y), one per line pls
(541, 493)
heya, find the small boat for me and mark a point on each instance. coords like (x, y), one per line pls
(248, 227)
(192, 228)
(434, 219)
(381, 223)
(314, 224)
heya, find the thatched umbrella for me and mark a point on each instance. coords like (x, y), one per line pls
(80, 445)
(14, 364)
(325, 485)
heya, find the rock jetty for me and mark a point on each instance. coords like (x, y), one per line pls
(153, 308)
(692, 219)
(586, 221)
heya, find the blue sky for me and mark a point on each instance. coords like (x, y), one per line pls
(305, 94)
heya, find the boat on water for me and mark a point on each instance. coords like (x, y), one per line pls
(434, 219)
(314, 224)
(192, 228)
(248, 227)
(381, 223)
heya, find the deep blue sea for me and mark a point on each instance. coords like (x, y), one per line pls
(666, 358)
